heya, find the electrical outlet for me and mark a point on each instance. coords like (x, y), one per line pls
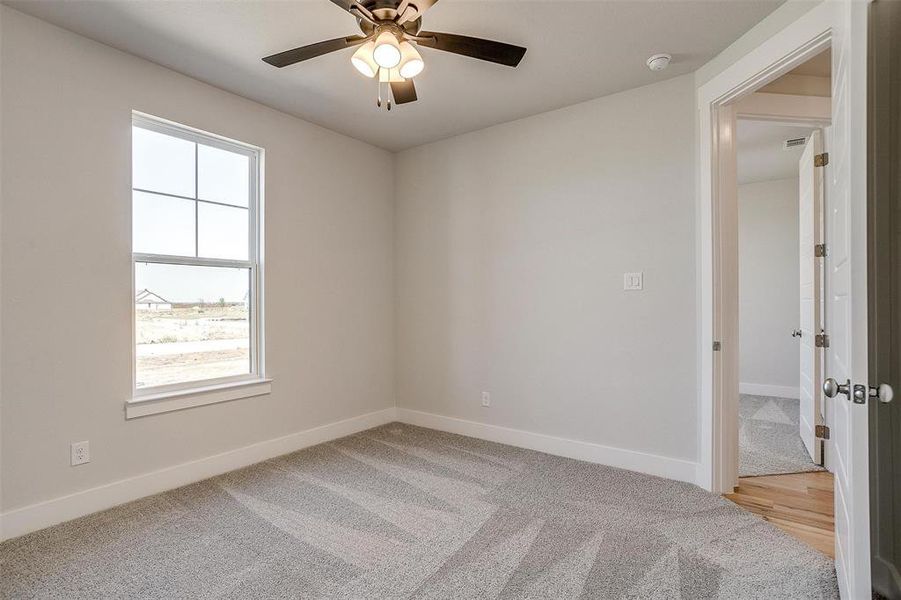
(80, 453)
(486, 399)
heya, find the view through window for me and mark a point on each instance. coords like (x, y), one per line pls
(194, 240)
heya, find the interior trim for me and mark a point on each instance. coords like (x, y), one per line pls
(24, 520)
(190, 398)
(633, 460)
(30, 518)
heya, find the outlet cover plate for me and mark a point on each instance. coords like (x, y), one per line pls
(80, 453)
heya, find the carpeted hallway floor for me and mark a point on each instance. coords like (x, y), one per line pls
(769, 442)
(406, 512)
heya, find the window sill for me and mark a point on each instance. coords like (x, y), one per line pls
(182, 399)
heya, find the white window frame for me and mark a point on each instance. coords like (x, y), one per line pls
(177, 396)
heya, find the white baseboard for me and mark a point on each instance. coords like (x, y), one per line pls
(44, 514)
(37, 516)
(651, 464)
(776, 391)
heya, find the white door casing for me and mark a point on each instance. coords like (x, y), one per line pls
(803, 39)
(810, 210)
(846, 294)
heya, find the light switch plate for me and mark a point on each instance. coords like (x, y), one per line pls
(633, 281)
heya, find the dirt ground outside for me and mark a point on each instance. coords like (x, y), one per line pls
(191, 343)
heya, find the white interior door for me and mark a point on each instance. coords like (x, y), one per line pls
(810, 209)
(846, 295)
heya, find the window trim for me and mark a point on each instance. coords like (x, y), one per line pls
(175, 396)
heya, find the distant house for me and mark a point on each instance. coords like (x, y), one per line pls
(147, 300)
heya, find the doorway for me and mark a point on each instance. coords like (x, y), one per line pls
(780, 217)
(781, 133)
(843, 27)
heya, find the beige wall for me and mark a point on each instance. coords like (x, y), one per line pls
(66, 302)
(800, 85)
(511, 248)
(769, 305)
(495, 265)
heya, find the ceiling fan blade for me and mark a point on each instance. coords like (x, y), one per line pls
(403, 91)
(289, 57)
(417, 8)
(356, 9)
(496, 52)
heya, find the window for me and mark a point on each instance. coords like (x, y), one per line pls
(195, 244)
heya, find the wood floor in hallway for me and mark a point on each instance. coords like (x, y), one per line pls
(801, 504)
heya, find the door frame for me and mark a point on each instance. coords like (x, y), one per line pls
(717, 232)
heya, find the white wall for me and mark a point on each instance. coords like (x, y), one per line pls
(511, 248)
(768, 284)
(789, 12)
(66, 115)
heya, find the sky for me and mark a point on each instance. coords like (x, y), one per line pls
(185, 283)
(192, 202)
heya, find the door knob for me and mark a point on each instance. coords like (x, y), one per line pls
(883, 392)
(796, 333)
(832, 388)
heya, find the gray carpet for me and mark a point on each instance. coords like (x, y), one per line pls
(769, 442)
(406, 512)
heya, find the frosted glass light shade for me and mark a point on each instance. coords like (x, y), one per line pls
(387, 51)
(363, 61)
(411, 63)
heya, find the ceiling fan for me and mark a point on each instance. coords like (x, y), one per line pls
(391, 30)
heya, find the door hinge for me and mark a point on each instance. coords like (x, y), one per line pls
(716, 346)
(822, 432)
(821, 340)
(819, 250)
(821, 160)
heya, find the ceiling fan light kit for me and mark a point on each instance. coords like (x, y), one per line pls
(387, 50)
(391, 30)
(364, 61)
(411, 63)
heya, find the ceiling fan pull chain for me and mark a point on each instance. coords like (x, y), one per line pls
(379, 102)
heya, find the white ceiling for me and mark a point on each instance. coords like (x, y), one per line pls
(761, 155)
(576, 51)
